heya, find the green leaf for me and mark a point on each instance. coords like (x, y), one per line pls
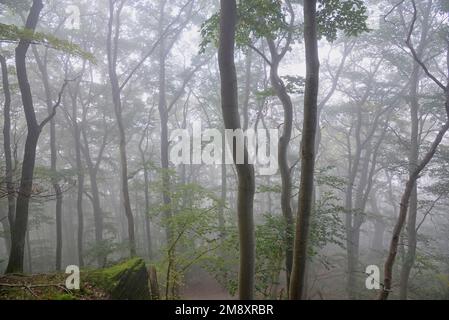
(12, 33)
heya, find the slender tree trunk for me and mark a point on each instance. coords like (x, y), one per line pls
(247, 92)
(112, 46)
(29, 254)
(147, 196)
(98, 212)
(353, 167)
(224, 191)
(42, 65)
(377, 245)
(80, 178)
(245, 172)
(284, 168)
(410, 254)
(405, 200)
(358, 220)
(15, 264)
(163, 115)
(413, 206)
(305, 203)
(7, 224)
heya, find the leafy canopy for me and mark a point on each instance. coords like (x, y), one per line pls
(270, 19)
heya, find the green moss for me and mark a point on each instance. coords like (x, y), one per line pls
(63, 296)
(126, 280)
(109, 278)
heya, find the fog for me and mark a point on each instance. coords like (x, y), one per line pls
(134, 128)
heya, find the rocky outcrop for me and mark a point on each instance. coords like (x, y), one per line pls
(125, 281)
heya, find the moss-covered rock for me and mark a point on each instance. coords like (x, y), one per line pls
(125, 281)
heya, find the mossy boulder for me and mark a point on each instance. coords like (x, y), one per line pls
(125, 281)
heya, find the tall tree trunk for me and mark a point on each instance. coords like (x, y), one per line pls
(305, 203)
(146, 194)
(112, 46)
(351, 219)
(358, 218)
(377, 245)
(92, 169)
(223, 194)
(80, 177)
(29, 254)
(245, 172)
(163, 115)
(7, 224)
(410, 254)
(284, 168)
(15, 264)
(413, 206)
(42, 65)
(410, 184)
(247, 92)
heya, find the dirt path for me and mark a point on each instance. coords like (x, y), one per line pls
(204, 287)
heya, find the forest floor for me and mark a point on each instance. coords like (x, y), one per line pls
(45, 287)
(200, 285)
(52, 287)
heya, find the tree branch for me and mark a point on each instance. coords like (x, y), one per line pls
(413, 51)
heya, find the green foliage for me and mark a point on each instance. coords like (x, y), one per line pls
(260, 19)
(195, 232)
(275, 188)
(12, 33)
(294, 84)
(268, 19)
(256, 19)
(326, 226)
(348, 16)
(270, 246)
(324, 178)
(267, 93)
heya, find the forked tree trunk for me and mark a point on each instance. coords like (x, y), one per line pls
(405, 200)
(92, 169)
(42, 65)
(420, 166)
(15, 264)
(9, 222)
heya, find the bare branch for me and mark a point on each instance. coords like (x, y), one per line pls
(153, 48)
(413, 51)
(56, 105)
(268, 61)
